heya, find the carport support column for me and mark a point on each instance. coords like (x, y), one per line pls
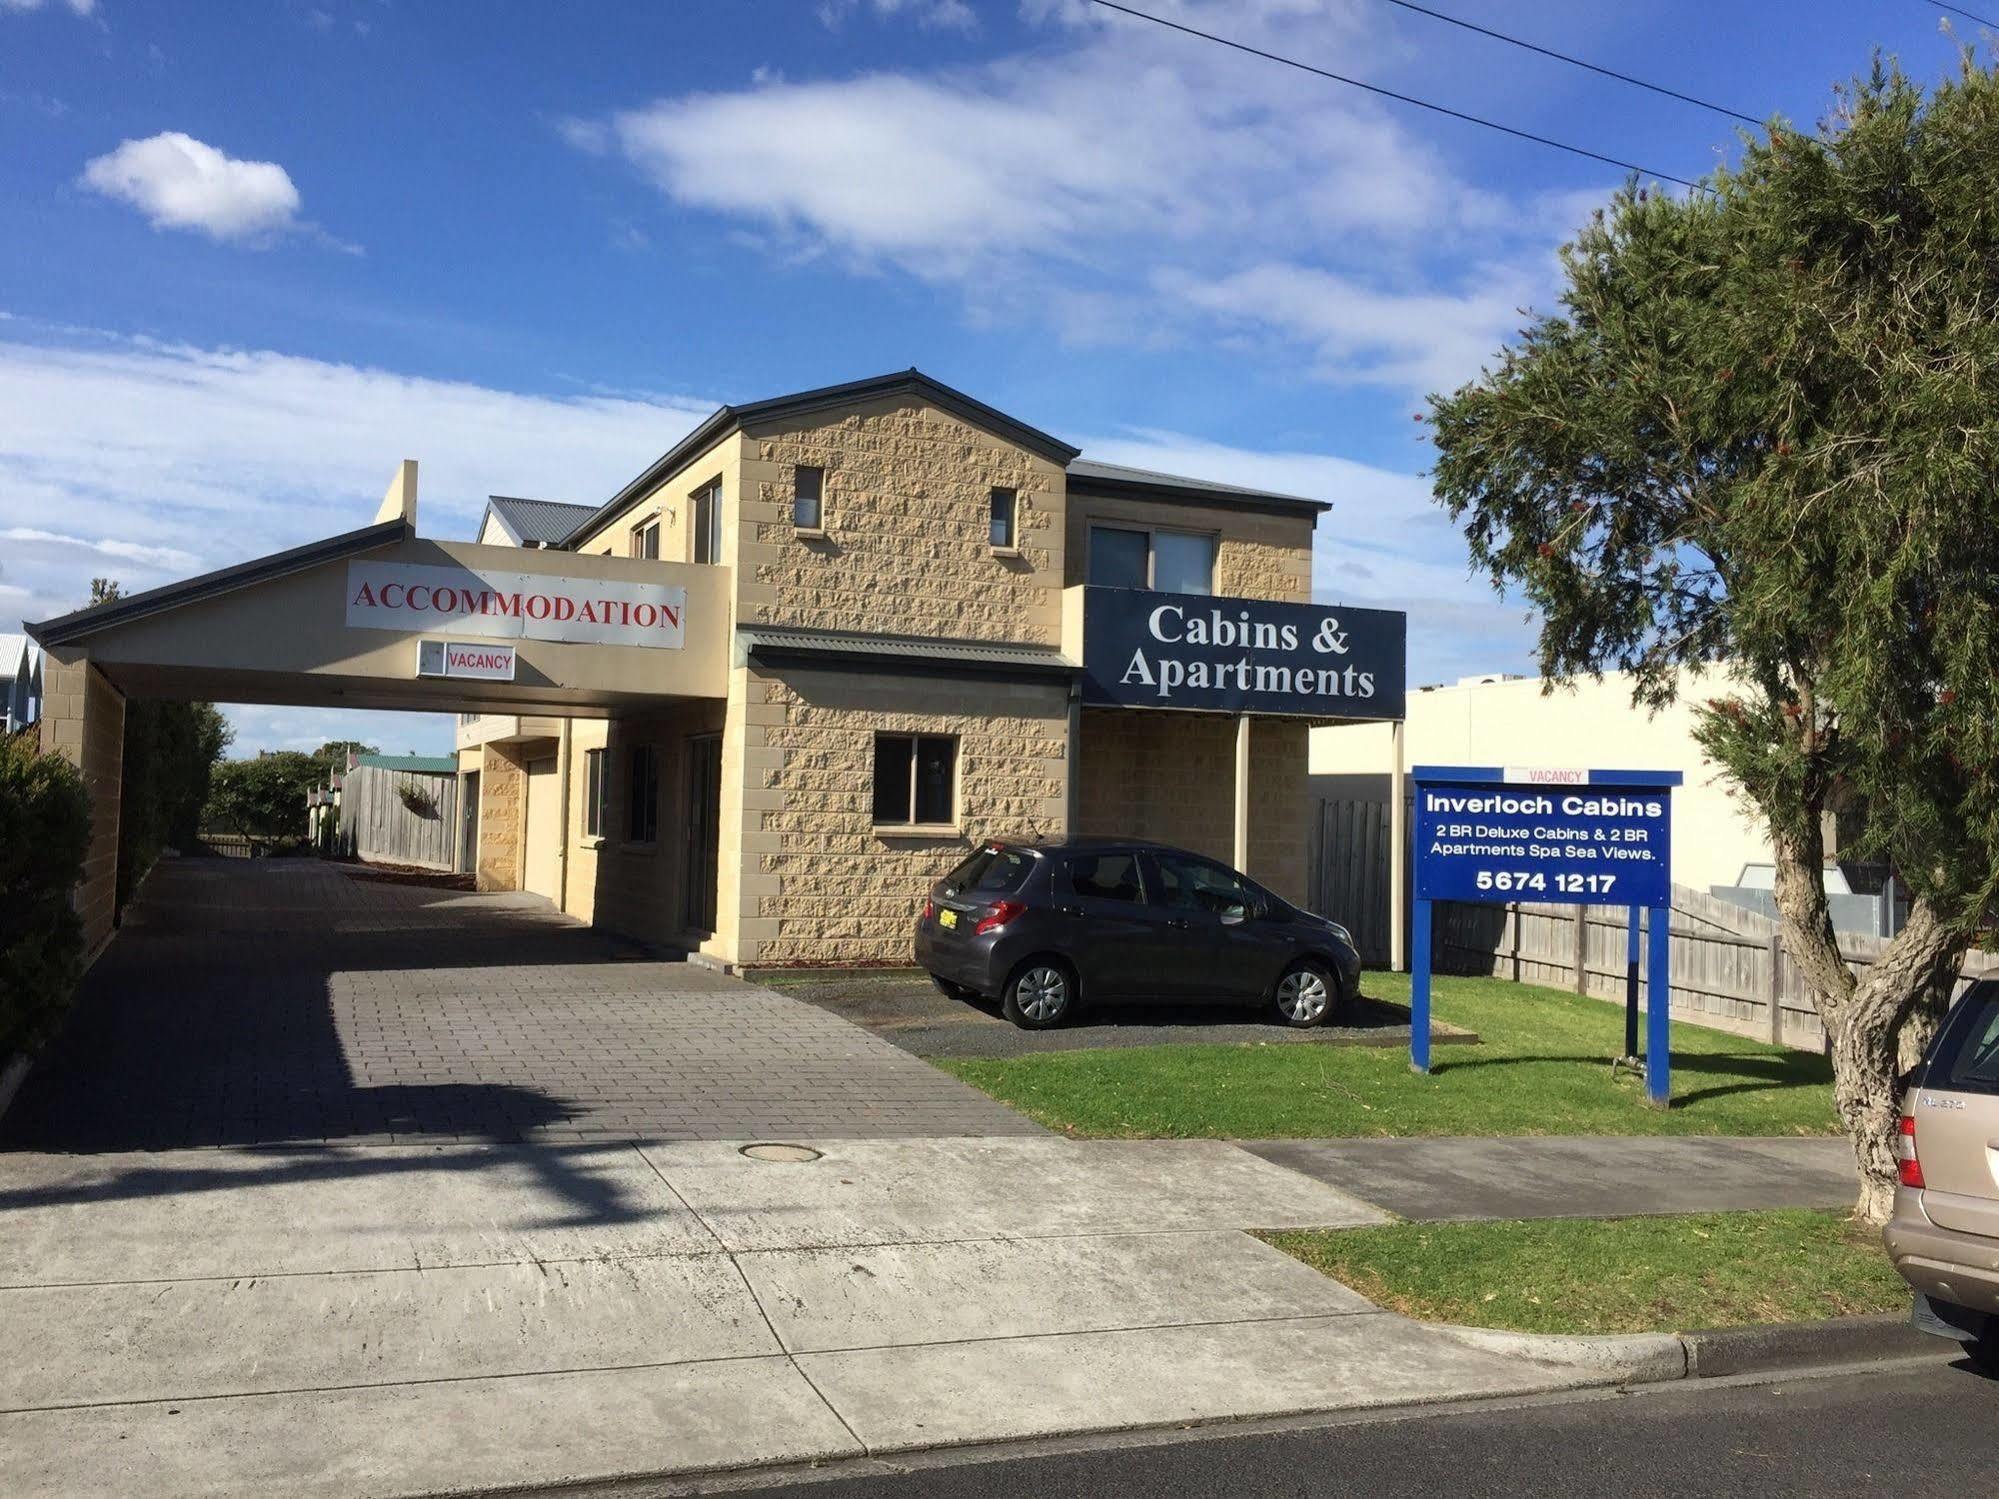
(1242, 793)
(83, 720)
(1398, 850)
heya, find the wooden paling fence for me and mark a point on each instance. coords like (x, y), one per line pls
(378, 822)
(1729, 968)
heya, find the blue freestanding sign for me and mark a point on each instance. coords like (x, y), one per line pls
(1554, 836)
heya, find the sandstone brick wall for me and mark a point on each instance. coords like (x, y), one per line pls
(502, 813)
(1171, 776)
(83, 720)
(907, 551)
(1256, 556)
(820, 884)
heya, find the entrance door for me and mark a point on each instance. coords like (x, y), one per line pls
(704, 829)
(542, 861)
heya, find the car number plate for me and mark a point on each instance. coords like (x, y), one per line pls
(947, 918)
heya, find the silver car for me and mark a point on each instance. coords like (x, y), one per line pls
(1944, 1233)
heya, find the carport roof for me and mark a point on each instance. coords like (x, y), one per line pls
(84, 623)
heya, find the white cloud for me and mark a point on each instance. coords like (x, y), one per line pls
(931, 15)
(192, 459)
(111, 547)
(74, 7)
(1128, 184)
(178, 182)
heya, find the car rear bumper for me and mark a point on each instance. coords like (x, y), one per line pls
(961, 960)
(1948, 1266)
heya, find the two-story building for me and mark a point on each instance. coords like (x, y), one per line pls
(908, 571)
(755, 702)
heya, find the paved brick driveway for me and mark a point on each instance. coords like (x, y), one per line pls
(254, 1001)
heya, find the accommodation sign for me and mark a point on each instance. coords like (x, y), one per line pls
(414, 598)
(1600, 838)
(1143, 649)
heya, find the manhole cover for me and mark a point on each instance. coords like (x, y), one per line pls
(793, 1153)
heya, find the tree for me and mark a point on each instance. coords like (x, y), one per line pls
(265, 797)
(333, 754)
(44, 832)
(1761, 439)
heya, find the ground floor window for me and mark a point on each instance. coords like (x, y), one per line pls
(916, 779)
(643, 807)
(593, 793)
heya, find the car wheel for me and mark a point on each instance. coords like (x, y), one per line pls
(950, 990)
(1040, 994)
(1307, 994)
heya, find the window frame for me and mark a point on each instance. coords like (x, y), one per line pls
(704, 533)
(644, 543)
(1010, 546)
(817, 525)
(593, 794)
(642, 798)
(914, 739)
(1156, 862)
(1150, 532)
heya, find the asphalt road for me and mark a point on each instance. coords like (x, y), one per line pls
(1917, 1428)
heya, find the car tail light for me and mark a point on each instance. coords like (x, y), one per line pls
(929, 909)
(1001, 913)
(1906, 1163)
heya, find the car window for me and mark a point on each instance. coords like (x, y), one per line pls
(1106, 876)
(1201, 885)
(991, 870)
(1966, 1058)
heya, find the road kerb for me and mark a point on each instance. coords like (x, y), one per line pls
(1652, 1357)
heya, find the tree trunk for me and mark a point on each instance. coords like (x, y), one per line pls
(1864, 1018)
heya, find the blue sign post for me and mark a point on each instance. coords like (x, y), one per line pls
(1488, 834)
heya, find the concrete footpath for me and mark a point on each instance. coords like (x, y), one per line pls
(1582, 1176)
(339, 1320)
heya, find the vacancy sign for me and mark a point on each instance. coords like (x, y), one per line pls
(481, 661)
(411, 598)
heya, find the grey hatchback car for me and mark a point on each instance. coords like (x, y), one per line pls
(1944, 1233)
(1043, 927)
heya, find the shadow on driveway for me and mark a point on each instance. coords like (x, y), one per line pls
(905, 1007)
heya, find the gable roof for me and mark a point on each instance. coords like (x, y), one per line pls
(13, 655)
(542, 521)
(731, 419)
(1089, 477)
(85, 622)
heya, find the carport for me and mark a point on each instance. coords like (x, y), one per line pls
(380, 618)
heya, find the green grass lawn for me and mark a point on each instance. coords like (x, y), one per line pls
(1595, 1275)
(1542, 1068)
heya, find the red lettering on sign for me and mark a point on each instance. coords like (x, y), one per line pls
(644, 615)
(669, 615)
(565, 606)
(415, 589)
(534, 600)
(365, 596)
(387, 589)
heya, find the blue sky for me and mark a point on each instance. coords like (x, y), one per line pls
(252, 254)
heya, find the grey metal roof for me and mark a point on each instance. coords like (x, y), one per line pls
(1115, 478)
(543, 521)
(901, 652)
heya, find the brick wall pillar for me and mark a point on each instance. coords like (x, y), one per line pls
(83, 720)
(502, 811)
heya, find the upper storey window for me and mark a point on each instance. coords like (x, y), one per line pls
(808, 506)
(645, 540)
(706, 522)
(1170, 561)
(1004, 525)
